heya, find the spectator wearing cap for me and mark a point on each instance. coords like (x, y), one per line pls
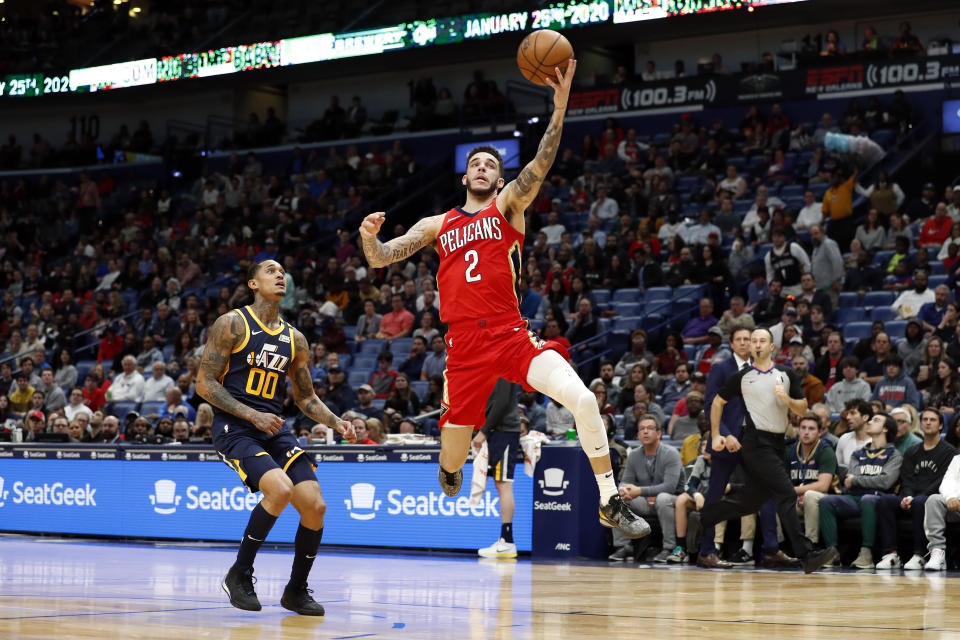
(35, 425)
(21, 394)
(365, 405)
(788, 318)
(175, 405)
(896, 388)
(683, 426)
(638, 353)
(695, 330)
(786, 262)
(812, 385)
(923, 207)
(711, 351)
(910, 301)
(385, 377)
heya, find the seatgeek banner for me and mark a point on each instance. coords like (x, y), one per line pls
(370, 500)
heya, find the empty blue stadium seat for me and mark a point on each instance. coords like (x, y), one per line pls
(350, 331)
(819, 189)
(881, 258)
(689, 291)
(691, 350)
(858, 330)
(168, 352)
(849, 299)
(658, 293)
(792, 191)
(895, 328)
(879, 298)
(601, 297)
(150, 408)
(883, 314)
(937, 279)
(420, 387)
(626, 295)
(364, 363)
(83, 368)
(537, 325)
(402, 345)
(379, 403)
(845, 315)
(357, 378)
(121, 409)
(345, 360)
(626, 308)
(626, 323)
(373, 345)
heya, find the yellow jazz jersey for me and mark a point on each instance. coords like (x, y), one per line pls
(257, 370)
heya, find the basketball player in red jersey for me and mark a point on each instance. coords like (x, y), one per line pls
(480, 246)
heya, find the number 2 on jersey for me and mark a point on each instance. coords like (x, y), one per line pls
(473, 258)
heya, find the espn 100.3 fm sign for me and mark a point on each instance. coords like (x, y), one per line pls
(368, 503)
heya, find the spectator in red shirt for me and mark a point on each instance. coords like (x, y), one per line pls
(936, 230)
(384, 378)
(93, 395)
(110, 345)
(397, 323)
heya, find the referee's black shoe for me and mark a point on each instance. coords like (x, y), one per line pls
(617, 515)
(238, 584)
(299, 600)
(450, 482)
(816, 559)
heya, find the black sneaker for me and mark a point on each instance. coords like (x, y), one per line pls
(238, 584)
(816, 559)
(623, 554)
(299, 600)
(741, 558)
(450, 488)
(617, 515)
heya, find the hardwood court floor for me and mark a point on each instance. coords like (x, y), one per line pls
(84, 590)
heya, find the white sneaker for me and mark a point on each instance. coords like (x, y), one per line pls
(889, 561)
(499, 549)
(915, 563)
(864, 560)
(937, 561)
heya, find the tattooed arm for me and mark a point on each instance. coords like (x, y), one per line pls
(518, 195)
(305, 396)
(423, 233)
(226, 332)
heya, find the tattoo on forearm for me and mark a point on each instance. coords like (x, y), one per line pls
(225, 332)
(528, 182)
(380, 254)
(303, 387)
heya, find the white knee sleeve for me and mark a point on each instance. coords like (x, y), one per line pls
(550, 374)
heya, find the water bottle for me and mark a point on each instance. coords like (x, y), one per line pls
(571, 434)
(17, 435)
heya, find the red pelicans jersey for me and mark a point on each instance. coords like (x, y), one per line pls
(479, 274)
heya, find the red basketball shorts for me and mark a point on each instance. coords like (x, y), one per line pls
(478, 353)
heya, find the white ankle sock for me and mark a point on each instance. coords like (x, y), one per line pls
(748, 546)
(608, 488)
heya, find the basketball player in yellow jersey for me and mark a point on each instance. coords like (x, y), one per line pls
(248, 355)
(480, 246)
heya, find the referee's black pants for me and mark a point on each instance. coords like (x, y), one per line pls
(767, 478)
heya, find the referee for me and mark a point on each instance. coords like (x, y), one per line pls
(769, 392)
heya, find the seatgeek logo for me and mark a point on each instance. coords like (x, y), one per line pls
(54, 494)
(363, 505)
(552, 484)
(165, 499)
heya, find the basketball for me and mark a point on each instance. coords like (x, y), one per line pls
(540, 53)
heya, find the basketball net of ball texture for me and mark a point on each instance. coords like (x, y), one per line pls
(540, 53)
